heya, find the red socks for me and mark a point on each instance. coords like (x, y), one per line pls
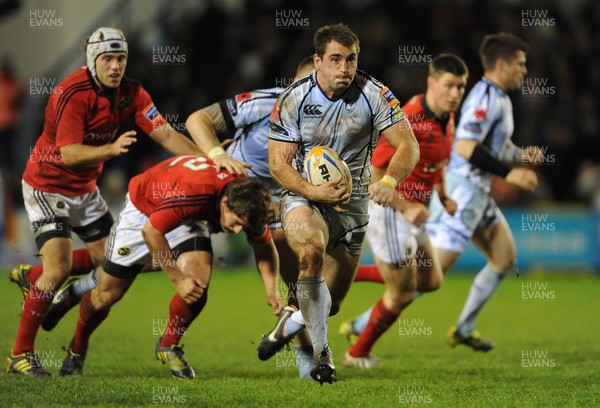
(381, 318)
(181, 315)
(368, 273)
(82, 264)
(35, 308)
(89, 319)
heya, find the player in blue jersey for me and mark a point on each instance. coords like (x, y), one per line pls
(482, 149)
(346, 110)
(248, 114)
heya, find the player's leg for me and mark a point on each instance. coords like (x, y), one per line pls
(497, 244)
(92, 223)
(192, 250)
(24, 274)
(394, 243)
(70, 294)
(56, 257)
(430, 274)
(49, 218)
(288, 269)
(93, 310)
(307, 236)
(400, 284)
(123, 260)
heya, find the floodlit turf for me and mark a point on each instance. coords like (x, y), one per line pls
(547, 351)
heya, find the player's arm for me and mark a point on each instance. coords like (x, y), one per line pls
(527, 155)
(204, 125)
(481, 157)
(78, 154)
(280, 163)
(449, 204)
(415, 213)
(267, 264)
(173, 141)
(187, 287)
(405, 158)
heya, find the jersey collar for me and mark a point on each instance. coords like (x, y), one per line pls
(493, 84)
(110, 94)
(429, 112)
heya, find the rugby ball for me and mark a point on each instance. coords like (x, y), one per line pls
(322, 164)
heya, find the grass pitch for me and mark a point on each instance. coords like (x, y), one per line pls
(545, 329)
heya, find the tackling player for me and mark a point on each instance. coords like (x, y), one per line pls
(346, 110)
(397, 234)
(80, 133)
(481, 150)
(162, 222)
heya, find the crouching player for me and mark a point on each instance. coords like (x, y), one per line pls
(163, 222)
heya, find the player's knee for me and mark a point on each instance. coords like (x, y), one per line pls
(407, 284)
(106, 298)
(311, 259)
(433, 282)
(51, 281)
(506, 264)
(399, 301)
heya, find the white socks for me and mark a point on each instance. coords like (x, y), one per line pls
(315, 302)
(484, 285)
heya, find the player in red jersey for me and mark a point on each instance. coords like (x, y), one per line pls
(397, 235)
(80, 133)
(163, 222)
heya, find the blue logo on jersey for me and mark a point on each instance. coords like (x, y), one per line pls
(473, 127)
(232, 106)
(151, 112)
(312, 110)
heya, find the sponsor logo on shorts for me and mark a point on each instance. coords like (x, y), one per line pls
(124, 251)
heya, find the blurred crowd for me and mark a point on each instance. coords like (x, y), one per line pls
(219, 49)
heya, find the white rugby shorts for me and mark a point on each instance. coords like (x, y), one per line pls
(392, 238)
(476, 210)
(126, 246)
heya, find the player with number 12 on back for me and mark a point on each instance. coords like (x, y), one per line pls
(163, 222)
(346, 110)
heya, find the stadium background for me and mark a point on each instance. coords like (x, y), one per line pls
(192, 53)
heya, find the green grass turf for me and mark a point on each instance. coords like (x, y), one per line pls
(560, 336)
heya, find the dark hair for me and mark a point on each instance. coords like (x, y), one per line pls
(248, 198)
(448, 63)
(499, 46)
(306, 63)
(340, 33)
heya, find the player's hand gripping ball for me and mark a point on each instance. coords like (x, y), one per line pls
(322, 164)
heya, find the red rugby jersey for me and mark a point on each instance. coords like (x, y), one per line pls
(78, 111)
(435, 137)
(183, 188)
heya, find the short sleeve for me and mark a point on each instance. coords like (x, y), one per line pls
(147, 115)
(284, 120)
(476, 117)
(247, 108)
(387, 109)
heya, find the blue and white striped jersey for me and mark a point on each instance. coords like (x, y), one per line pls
(248, 114)
(350, 124)
(486, 116)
